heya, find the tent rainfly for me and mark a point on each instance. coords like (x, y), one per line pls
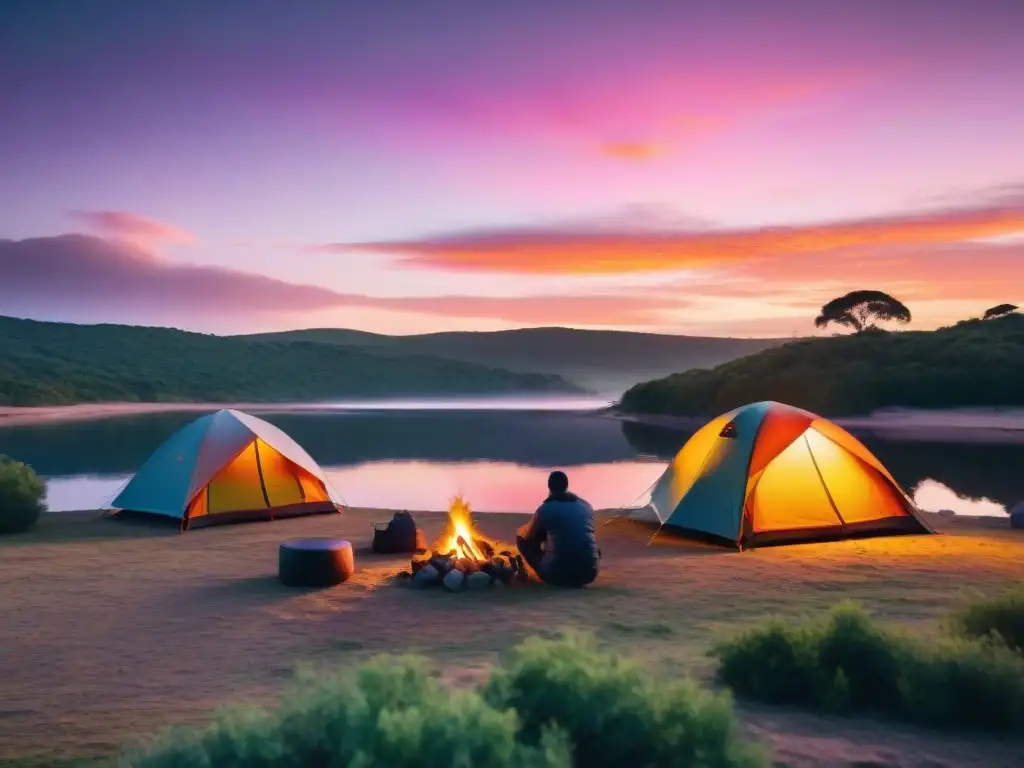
(769, 473)
(228, 466)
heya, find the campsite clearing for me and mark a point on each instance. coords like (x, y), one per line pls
(111, 629)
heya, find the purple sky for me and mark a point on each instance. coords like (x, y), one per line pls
(696, 167)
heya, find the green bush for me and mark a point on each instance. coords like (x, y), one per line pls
(389, 712)
(614, 714)
(392, 712)
(1001, 617)
(21, 496)
(846, 663)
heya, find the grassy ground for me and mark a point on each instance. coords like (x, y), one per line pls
(109, 630)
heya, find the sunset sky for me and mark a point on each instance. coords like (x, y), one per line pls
(707, 168)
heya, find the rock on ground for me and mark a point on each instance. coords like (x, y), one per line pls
(425, 577)
(453, 580)
(478, 580)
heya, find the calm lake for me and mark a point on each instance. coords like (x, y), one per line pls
(497, 454)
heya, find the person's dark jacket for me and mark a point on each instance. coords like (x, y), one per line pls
(566, 523)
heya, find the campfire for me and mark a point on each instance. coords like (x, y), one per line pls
(462, 557)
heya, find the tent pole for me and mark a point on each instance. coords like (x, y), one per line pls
(259, 470)
(632, 506)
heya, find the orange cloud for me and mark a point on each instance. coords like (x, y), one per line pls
(131, 226)
(690, 125)
(961, 272)
(632, 150)
(593, 251)
(941, 285)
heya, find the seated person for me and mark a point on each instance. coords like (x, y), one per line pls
(559, 543)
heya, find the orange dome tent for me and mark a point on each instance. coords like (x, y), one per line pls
(770, 473)
(228, 466)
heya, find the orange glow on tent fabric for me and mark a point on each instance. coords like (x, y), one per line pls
(237, 486)
(858, 491)
(690, 462)
(241, 484)
(776, 433)
(789, 494)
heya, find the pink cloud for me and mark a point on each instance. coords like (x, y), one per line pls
(131, 226)
(724, 109)
(107, 277)
(327, 248)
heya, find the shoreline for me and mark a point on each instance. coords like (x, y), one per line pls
(43, 414)
(964, 425)
(52, 414)
(381, 515)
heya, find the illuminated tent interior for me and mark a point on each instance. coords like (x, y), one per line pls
(228, 466)
(769, 473)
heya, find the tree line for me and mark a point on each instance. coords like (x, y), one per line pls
(863, 310)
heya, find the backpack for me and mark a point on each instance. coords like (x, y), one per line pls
(400, 535)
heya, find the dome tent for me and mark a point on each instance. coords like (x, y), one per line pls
(769, 473)
(227, 466)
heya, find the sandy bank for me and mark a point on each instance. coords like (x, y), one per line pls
(12, 416)
(983, 425)
(110, 629)
(88, 411)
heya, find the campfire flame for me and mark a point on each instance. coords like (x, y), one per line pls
(478, 560)
(461, 535)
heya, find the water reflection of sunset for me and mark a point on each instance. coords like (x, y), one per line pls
(488, 486)
(933, 496)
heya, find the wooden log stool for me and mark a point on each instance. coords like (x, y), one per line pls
(315, 562)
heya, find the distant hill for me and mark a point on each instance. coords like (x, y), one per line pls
(976, 363)
(606, 362)
(58, 363)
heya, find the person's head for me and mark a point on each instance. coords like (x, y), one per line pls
(558, 483)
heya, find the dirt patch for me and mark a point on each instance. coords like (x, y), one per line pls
(109, 629)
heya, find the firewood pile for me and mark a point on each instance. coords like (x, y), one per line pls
(455, 574)
(462, 558)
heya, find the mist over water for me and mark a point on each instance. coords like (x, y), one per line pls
(497, 453)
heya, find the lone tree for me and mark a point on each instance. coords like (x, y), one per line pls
(860, 310)
(1000, 311)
